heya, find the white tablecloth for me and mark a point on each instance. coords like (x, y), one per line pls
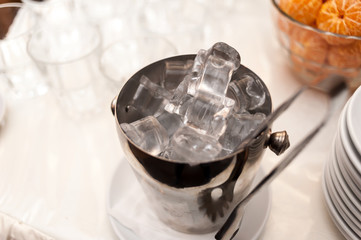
(55, 173)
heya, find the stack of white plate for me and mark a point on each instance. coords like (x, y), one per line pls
(342, 173)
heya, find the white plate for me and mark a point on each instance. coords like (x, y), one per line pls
(2, 108)
(144, 225)
(354, 119)
(335, 216)
(346, 150)
(351, 174)
(338, 205)
(344, 195)
(337, 202)
(345, 172)
(350, 168)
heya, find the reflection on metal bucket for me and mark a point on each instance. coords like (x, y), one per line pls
(191, 198)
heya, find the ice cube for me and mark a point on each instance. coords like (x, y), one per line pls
(165, 154)
(226, 52)
(208, 114)
(237, 89)
(239, 126)
(192, 147)
(155, 89)
(199, 62)
(174, 73)
(256, 93)
(216, 77)
(181, 99)
(150, 98)
(221, 50)
(170, 121)
(211, 72)
(148, 134)
(248, 92)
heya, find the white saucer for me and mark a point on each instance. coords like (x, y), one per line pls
(132, 218)
(345, 197)
(2, 108)
(347, 141)
(346, 154)
(351, 191)
(351, 182)
(335, 215)
(353, 116)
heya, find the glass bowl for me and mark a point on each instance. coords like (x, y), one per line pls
(315, 55)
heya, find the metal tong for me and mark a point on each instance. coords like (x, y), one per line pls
(338, 88)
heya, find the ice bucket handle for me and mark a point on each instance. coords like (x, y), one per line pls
(113, 104)
(338, 90)
(278, 142)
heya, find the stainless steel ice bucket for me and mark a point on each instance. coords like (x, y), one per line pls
(193, 198)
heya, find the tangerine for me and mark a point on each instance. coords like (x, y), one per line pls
(345, 56)
(309, 45)
(304, 11)
(340, 17)
(308, 54)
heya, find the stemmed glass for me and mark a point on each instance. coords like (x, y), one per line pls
(18, 72)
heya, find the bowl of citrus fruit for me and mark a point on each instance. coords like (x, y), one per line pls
(322, 38)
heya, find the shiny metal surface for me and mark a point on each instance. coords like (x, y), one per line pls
(278, 142)
(192, 199)
(231, 226)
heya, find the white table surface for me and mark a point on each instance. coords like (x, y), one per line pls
(55, 173)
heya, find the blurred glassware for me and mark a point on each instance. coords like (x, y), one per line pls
(180, 21)
(2, 109)
(51, 11)
(120, 60)
(36, 5)
(58, 12)
(39, 7)
(315, 54)
(219, 9)
(98, 11)
(68, 56)
(113, 17)
(18, 72)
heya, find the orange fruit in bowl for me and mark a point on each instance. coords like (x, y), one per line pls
(340, 17)
(304, 11)
(308, 53)
(309, 45)
(335, 50)
(348, 56)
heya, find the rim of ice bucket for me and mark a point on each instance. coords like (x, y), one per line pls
(137, 75)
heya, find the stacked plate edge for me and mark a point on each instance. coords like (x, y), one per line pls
(342, 173)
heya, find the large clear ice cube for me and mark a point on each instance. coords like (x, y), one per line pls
(170, 121)
(216, 77)
(221, 50)
(181, 99)
(256, 94)
(226, 52)
(148, 134)
(249, 93)
(174, 73)
(211, 73)
(208, 115)
(150, 98)
(199, 62)
(190, 146)
(239, 126)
